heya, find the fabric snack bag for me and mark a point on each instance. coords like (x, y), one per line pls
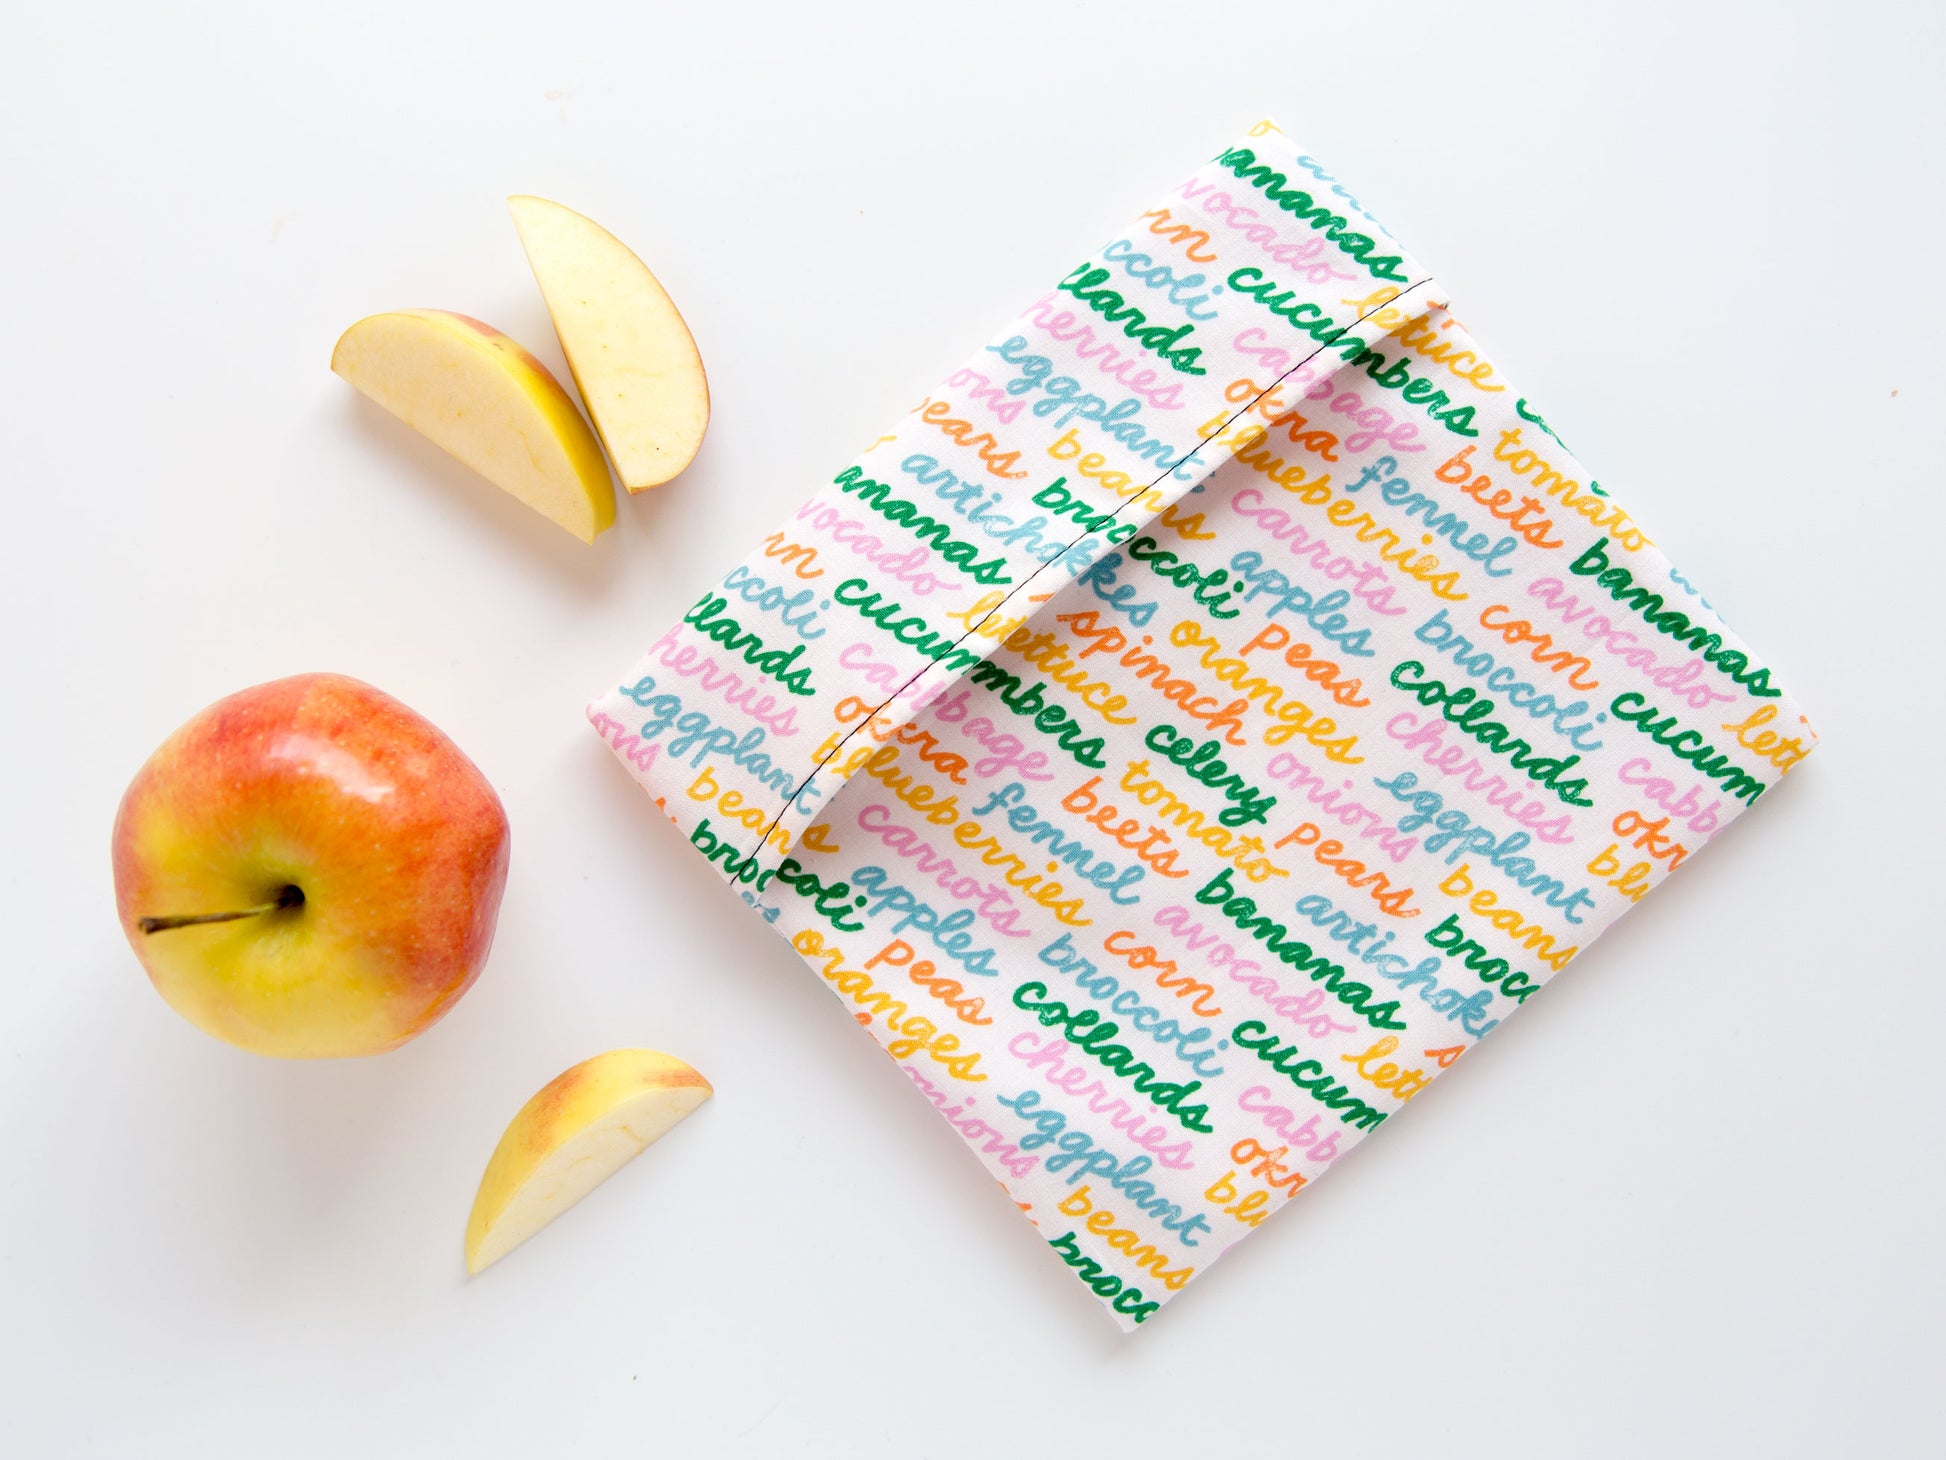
(1201, 719)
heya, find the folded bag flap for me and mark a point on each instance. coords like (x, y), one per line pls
(1062, 445)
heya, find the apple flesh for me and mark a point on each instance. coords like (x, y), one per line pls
(477, 393)
(581, 1128)
(632, 356)
(308, 868)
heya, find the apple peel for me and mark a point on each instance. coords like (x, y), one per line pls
(578, 1130)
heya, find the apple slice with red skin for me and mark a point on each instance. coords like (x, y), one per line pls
(580, 1128)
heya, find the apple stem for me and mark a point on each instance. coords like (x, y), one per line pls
(289, 896)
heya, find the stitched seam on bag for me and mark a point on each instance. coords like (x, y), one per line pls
(1135, 497)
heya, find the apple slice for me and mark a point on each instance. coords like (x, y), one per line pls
(631, 354)
(478, 394)
(583, 1127)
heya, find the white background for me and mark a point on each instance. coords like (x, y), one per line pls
(1687, 1203)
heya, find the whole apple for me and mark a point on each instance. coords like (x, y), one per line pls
(310, 869)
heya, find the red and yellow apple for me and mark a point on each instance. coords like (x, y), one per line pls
(309, 868)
